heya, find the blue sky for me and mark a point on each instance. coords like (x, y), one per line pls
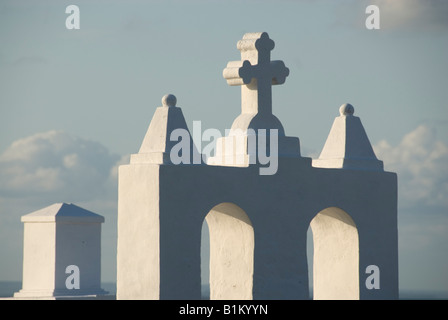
(75, 103)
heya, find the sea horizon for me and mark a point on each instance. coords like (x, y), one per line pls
(7, 289)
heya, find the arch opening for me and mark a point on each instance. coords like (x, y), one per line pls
(335, 251)
(231, 253)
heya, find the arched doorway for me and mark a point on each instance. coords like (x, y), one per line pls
(335, 255)
(231, 242)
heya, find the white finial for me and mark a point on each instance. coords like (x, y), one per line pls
(346, 109)
(169, 100)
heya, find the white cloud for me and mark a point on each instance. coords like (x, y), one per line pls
(56, 165)
(413, 14)
(420, 161)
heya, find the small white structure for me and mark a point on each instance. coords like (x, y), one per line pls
(258, 223)
(347, 145)
(62, 253)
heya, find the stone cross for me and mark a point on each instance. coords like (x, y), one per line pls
(256, 73)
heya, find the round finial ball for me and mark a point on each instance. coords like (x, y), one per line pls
(169, 100)
(346, 109)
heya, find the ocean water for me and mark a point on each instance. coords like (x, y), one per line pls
(7, 289)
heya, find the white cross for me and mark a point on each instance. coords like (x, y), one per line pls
(256, 73)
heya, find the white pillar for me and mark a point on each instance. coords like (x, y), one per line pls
(62, 253)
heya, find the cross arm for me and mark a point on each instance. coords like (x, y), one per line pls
(279, 71)
(239, 73)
